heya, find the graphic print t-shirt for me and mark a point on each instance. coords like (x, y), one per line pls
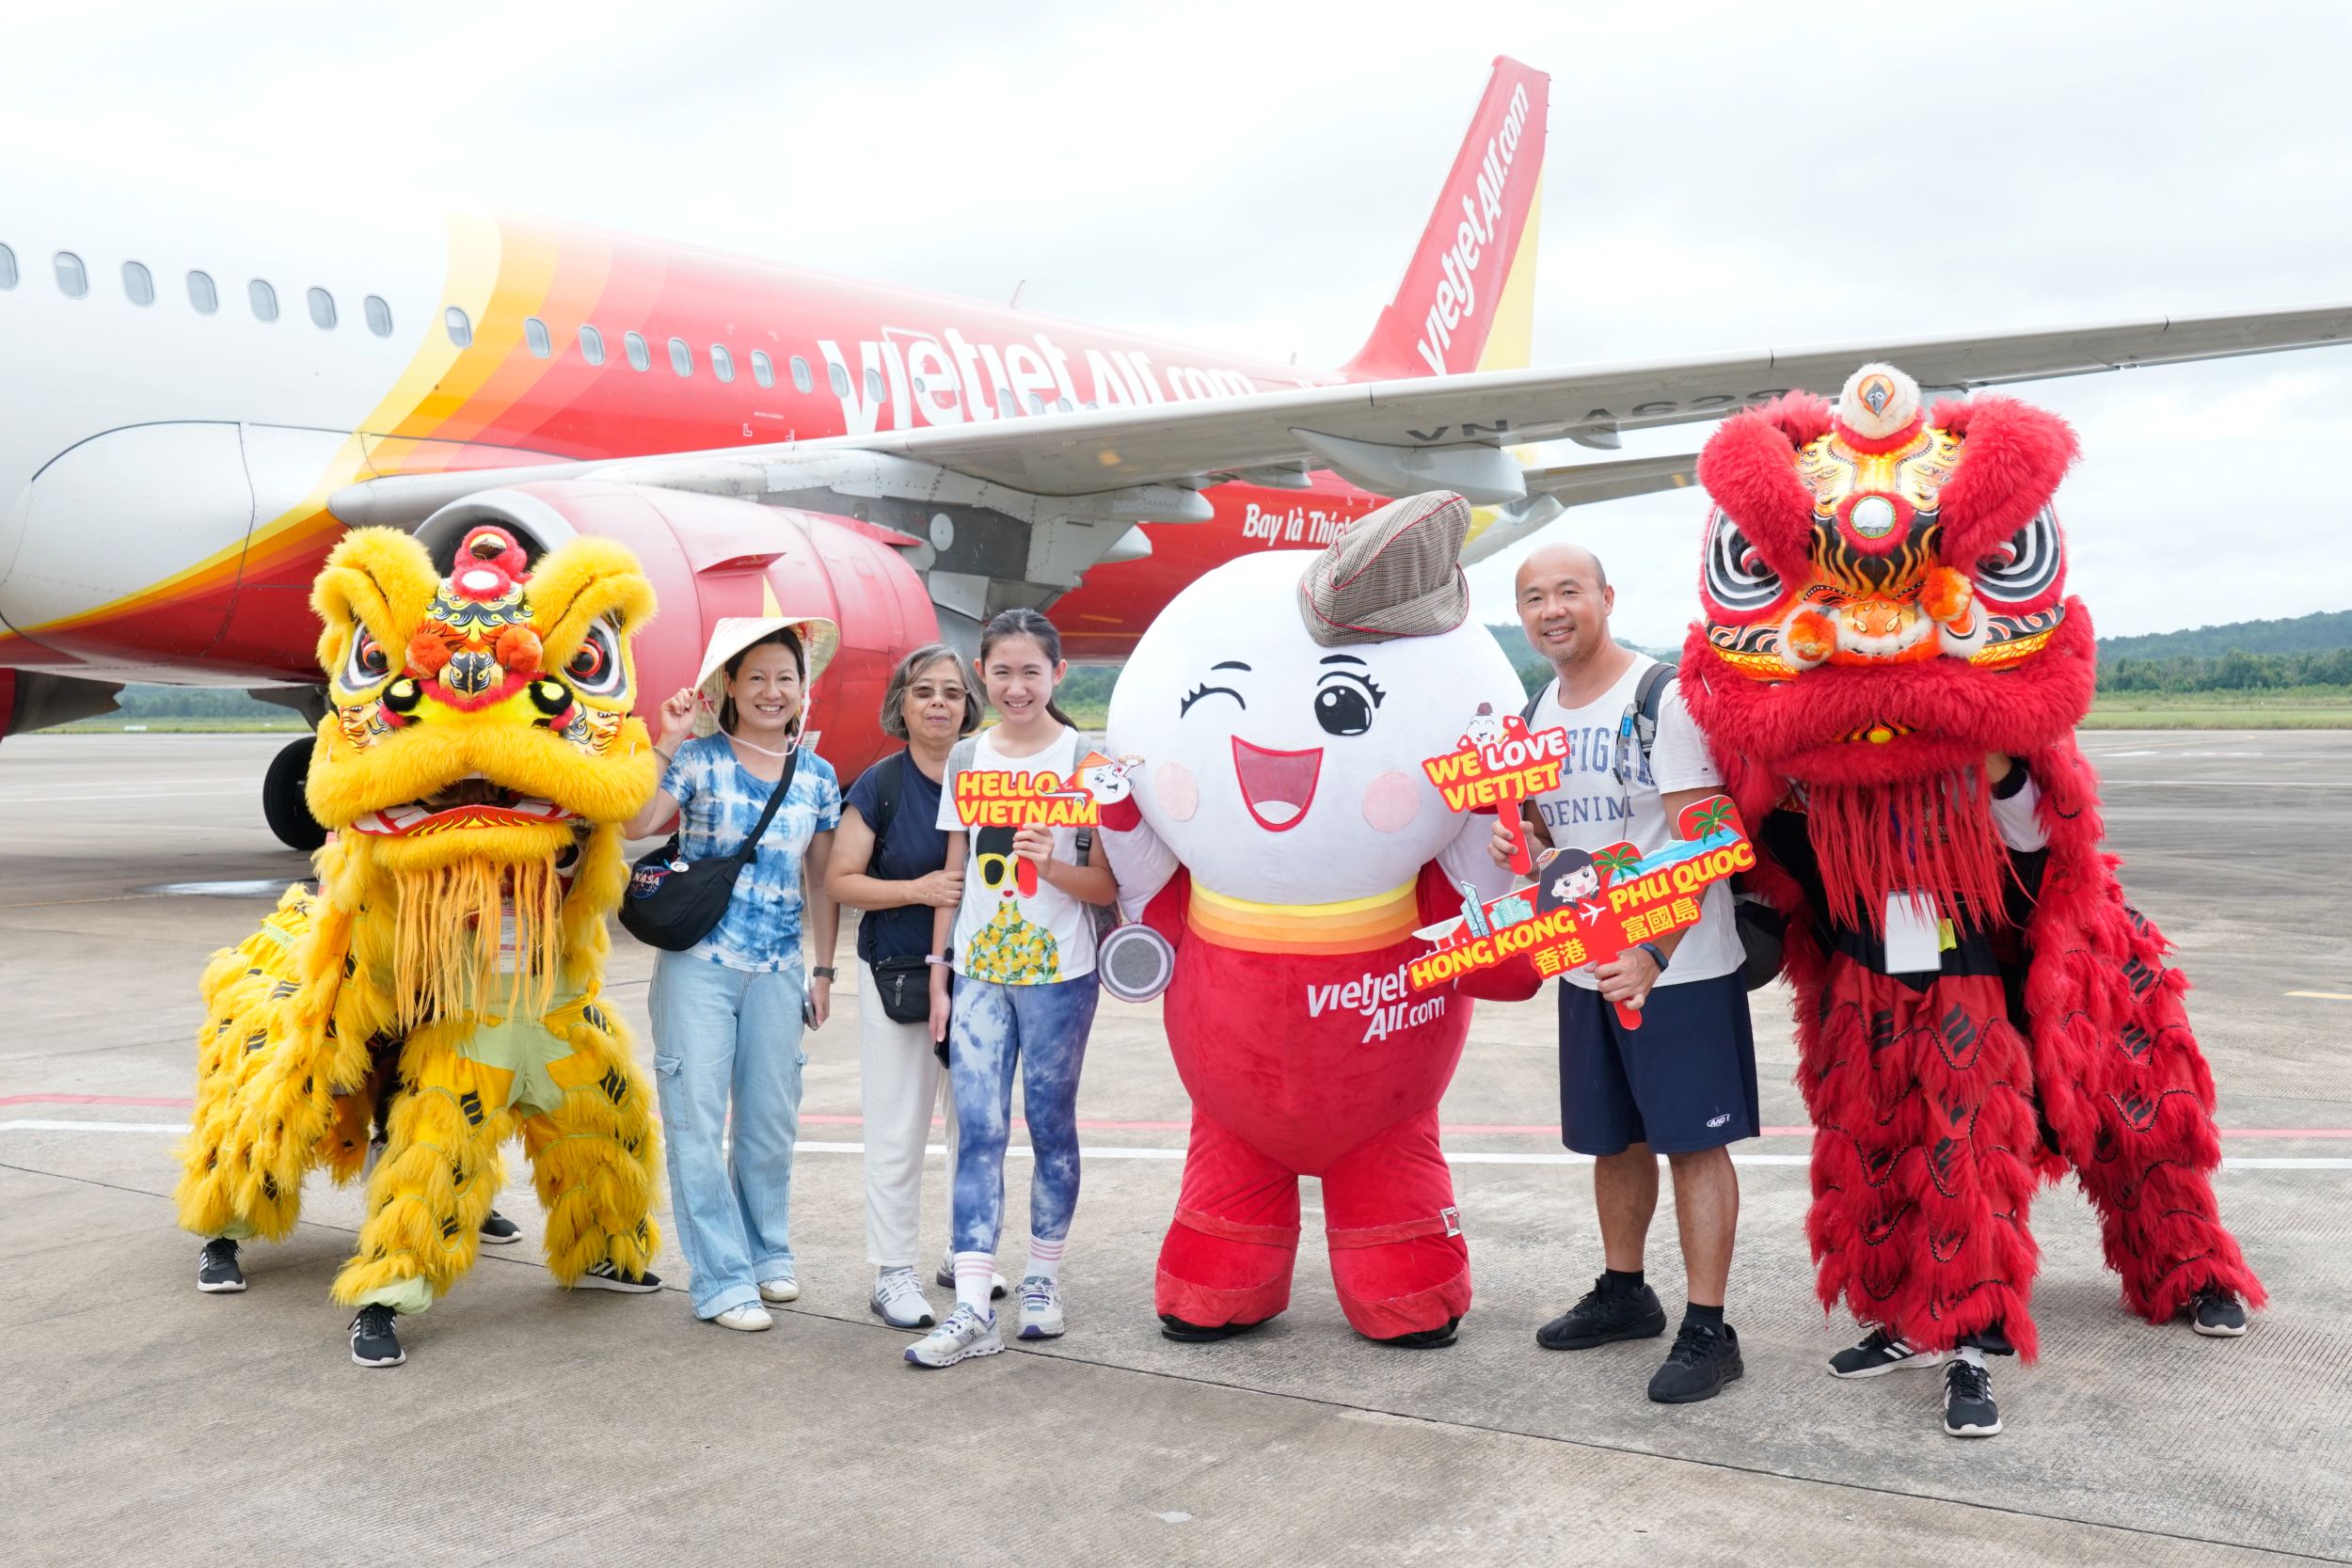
(719, 804)
(1002, 936)
(1592, 809)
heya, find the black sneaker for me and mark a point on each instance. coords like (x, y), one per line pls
(497, 1231)
(1175, 1328)
(604, 1276)
(1968, 1407)
(373, 1341)
(1604, 1317)
(1881, 1351)
(217, 1275)
(1424, 1339)
(2212, 1312)
(1703, 1360)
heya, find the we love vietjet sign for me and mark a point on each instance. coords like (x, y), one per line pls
(1499, 764)
(1585, 908)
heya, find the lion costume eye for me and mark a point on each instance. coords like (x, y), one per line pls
(1736, 579)
(367, 663)
(2025, 570)
(594, 667)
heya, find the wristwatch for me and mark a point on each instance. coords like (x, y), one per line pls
(826, 971)
(1657, 955)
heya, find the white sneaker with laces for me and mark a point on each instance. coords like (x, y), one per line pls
(750, 1318)
(1041, 1307)
(780, 1290)
(963, 1335)
(898, 1300)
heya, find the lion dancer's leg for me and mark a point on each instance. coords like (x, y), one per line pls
(1398, 1258)
(595, 1156)
(1922, 1156)
(2131, 1099)
(1226, 1263)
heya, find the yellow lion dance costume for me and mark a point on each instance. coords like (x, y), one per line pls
(476, 766)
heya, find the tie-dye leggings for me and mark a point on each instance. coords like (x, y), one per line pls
(1043, 1030)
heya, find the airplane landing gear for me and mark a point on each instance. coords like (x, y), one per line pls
(283, 802)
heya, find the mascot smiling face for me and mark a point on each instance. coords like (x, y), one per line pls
(1284, 770)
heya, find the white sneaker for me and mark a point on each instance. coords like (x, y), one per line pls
(898, 1300)
(1041, 1307)
(780, 1290)
(945, 1279)
(964, 1335)
(750, 1318)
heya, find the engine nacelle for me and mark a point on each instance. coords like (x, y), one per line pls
(710, 557)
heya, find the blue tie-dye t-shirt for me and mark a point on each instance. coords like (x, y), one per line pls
(719, 803)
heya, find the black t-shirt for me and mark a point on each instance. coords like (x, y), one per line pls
(911, 847)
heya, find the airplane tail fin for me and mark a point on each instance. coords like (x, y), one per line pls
(1468, 301)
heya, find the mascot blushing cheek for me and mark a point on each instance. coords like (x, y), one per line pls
(1281, 834)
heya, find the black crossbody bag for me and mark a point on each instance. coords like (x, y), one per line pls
(673, 904)
(903, 981)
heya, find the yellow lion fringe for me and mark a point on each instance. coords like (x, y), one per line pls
(446, 943)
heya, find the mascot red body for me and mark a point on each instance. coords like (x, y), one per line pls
(1886, 627)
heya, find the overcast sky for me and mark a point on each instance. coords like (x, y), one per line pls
(1255, 175)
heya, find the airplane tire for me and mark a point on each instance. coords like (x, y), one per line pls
(283, 803)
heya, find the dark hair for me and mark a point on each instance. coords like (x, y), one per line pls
(783, 637)
(1021, 621)
(894, 719)
(1561, 864)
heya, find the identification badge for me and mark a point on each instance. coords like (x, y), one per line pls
(1914, 934)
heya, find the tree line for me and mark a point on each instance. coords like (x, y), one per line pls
(2235, 671)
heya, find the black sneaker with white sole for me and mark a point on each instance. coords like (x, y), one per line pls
(1704, 1361)
(1968, 1407)
(373, 1341)
(604, 1276)
(216, 1271)
(1881, 1351)
(497, 1231)
(1605, 1315)
(2212, 1312)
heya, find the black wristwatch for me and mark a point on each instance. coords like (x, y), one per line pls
(1657, 953)
(823, 971)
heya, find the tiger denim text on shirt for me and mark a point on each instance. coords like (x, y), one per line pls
(1590, 790)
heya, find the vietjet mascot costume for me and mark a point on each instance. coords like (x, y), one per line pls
(1281, 833)
(1890, 676)
(476, 763)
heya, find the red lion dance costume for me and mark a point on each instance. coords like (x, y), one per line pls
(1885, 624)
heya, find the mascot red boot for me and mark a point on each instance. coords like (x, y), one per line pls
(1891, 676)
(1281, 834)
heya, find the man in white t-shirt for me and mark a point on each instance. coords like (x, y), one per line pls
(1683, 1084)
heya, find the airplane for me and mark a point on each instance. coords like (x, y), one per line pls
(200, 390)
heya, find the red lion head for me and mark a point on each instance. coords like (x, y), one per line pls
(1882, 587)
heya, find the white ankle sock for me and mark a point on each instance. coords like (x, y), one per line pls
(1974, 1356)
(976, 1274)
(1045, 1258)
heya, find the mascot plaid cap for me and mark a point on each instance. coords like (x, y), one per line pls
(1978, 1007)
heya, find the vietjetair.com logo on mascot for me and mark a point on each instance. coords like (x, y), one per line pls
(441, 989)
(1282, 834)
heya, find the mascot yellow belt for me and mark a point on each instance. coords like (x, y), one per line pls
(475, 767)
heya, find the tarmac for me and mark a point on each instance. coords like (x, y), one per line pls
(148, 1424)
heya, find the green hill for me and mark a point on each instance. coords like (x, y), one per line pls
(2322, 632)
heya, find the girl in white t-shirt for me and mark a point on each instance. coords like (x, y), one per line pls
(1022, 992)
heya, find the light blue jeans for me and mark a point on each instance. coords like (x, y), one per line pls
(720, 1033)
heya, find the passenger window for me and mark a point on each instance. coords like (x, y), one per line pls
(1061, 406)
(459, 326)
(138, 283)
(681, 358)
(73, 278)
(263, 298)
(1005, 405)
(535, 334)
(873, 385)
(592, 345)
(201, 295)
(839, 376)
(721, 362)
(323, 309)
(8, 267)
(800, 382)
(379, 315)
(763, 369)
(638, 359)
(1036, 405)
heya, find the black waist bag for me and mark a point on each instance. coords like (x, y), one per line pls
(905, 986)
(673, 904)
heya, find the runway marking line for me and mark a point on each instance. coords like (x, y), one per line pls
(2324, 995)
(1097, 1152)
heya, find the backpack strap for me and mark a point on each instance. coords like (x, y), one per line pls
(889, 774)
(1527, 714)
(1649, 695)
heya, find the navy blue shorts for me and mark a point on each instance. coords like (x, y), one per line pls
(1683, 1082)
